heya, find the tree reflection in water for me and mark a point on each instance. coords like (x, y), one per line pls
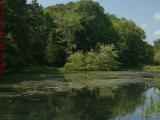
(82, 104)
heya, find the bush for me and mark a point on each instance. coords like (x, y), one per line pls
(76, 62)
(103, 59)
(91, 60)
(107, 58)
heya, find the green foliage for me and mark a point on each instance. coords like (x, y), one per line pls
(50, 49)
(133, 50)
(103, 59)
(91, 60)
(12, 54)
(157, 44)
(76, 62)
(107, 58)
(151, 68)
(16, 34)
(157, 56)
(83, 24)
(55, 53)
(38, 36)
(38, 32)
(157, 51)
(148, 54)
(27, 30)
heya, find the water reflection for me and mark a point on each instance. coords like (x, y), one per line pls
(85, 96)
(83, 104)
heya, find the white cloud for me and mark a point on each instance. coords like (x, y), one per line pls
(157, 16)
(157, 33)
(144, 26)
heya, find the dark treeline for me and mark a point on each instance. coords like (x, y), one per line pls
(75, 35)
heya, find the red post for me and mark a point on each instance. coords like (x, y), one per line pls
(2, 7)
(2, 43)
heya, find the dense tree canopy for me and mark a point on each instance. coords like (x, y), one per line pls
(50, 36)
(27, 30)
(83, 24)
(133, 50)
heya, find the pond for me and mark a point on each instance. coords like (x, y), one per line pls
(121, 95)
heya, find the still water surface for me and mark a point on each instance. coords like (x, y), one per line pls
(125, 95)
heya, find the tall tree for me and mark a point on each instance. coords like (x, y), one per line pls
(131, 45)
(16, 33)
(83, 24)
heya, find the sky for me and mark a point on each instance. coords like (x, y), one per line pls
(145, 13)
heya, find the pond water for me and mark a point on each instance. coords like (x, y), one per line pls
(123, 95)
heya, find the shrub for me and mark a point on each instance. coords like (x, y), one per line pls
(103, 59)
(107, 58)
(91, 60)
(76, 62)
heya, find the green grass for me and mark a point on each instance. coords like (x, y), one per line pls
(151, 68)
(31, 73)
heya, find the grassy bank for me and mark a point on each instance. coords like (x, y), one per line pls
(38, 73)
(151, 68)
(32, 73)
